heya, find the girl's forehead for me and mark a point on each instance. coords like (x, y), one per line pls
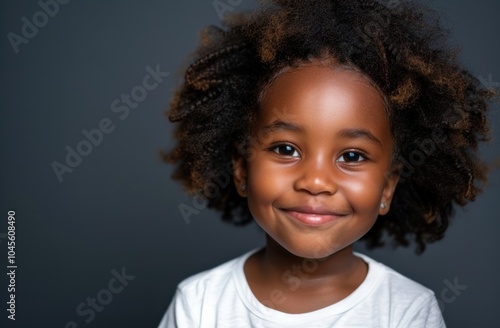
(323, 100)
(326, 69)
(310, 84)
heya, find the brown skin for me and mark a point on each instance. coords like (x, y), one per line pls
(321, 154)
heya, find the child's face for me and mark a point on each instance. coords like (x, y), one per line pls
(320, 160)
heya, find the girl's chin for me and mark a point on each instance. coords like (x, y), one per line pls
(313, 249)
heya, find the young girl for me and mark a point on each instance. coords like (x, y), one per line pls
(339, 120)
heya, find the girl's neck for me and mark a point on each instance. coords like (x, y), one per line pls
(303, 285)
(275, 260)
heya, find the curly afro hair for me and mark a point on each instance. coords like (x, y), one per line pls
(436, 108)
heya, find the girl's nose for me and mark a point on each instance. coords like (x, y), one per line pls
(316, 176)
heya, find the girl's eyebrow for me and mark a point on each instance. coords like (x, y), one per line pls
(359, 133)
(281, 125)
(344, 133)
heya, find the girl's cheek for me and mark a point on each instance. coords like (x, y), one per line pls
(258, 177)
(362, 193)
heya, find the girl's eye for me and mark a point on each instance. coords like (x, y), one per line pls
(351, 156)
(285, 150)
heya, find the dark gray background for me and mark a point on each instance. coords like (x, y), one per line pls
(119, 207)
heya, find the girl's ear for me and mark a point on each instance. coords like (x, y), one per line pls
(389, 189)
(240, 174)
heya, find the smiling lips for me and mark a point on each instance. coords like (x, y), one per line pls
(312, 216)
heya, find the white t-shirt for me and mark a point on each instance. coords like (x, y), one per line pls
(221, 297)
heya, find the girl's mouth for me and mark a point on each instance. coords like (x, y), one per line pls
(313, 216)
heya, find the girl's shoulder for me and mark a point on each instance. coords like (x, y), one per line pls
(385, 277)
(408, 302)
(214, 278)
